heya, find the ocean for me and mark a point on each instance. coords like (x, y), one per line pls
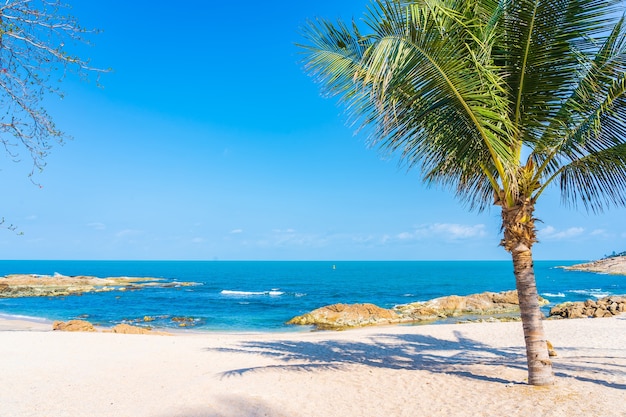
(263, 295)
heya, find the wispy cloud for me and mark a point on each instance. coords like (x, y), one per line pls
(447, 232)
(551, 233)
(444, 231)
(97, 225)
(236, 231)
(602, 233)
(128, 233)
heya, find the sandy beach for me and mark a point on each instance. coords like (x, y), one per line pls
(433, 370)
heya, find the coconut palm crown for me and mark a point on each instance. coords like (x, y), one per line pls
(496, 100)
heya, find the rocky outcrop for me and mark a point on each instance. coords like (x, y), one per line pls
(487, 303)
(604, 307)
(31, 285)
(73, 326)
(340, 316)
(128, 329)
(614, 265)
(85, 326)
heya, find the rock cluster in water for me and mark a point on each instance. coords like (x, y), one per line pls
(340, 316)
(31, 285)
(604, 307)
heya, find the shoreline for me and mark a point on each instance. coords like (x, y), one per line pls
(414, 371)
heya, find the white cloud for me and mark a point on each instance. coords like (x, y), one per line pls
(236, 231)
(445, 231)
(459, 231)
(198, 240)
(97, 225)
(551, 233)
(128, 232)
(405, 236)
(602, 233)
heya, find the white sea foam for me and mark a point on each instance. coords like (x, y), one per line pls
(550, 294)
(22, 317)
(274, 293)
(241, 293)
(593, 292)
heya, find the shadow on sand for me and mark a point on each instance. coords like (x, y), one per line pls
(390, 351)
(422, 352)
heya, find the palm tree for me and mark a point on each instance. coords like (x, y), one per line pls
(496, 100)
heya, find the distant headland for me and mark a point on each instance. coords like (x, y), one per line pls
(611, 265)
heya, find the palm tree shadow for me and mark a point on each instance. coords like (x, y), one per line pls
(422, 352)
(603, 370)
(388, 351)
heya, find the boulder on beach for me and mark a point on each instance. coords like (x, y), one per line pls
(73, 326)
(128, 329)
(85, 326)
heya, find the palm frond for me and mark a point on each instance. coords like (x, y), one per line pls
(431, 95)
(597, 180)
(334, 55)
(543, 46)
(592, 120)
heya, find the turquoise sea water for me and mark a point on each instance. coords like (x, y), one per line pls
(261, 296)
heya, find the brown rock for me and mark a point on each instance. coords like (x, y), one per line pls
(339, 316)
(128, 329)
(73, 326)
(487, 303)
(604, 307)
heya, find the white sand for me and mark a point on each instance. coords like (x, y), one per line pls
(435, 370)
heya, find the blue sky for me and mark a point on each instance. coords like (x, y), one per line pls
(208, 141)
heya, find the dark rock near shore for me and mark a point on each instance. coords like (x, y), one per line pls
(604, 307)
(340, 316)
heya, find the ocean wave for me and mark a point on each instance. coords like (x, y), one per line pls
(4, 316)
(593, 292)
(553, 295)
(275, 292)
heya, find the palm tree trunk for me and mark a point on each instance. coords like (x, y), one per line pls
(518, 225)
(539, 363)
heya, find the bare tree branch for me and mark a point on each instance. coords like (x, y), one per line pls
(34, 35)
